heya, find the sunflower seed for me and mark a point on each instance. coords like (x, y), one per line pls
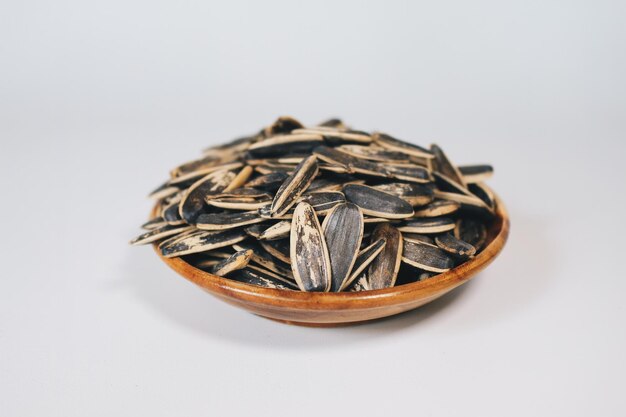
(333, 123)
(426, 257)
(155, 223)
(194, 176)
(363, 259)
(278, 249)
(193, 201)
(476, 173)
(221, 221)
(438, 208)
(285, 279)
(455, 246)
(343, 231)
(268, 182)
(472, 231)
(246, 204)
(171, 215)
(286, 144)
(255, 230)
(202, 242)
(377, 203)
(337, 136)
(445, 167)
(415, 194)
(412, 173)
(389, 142)
(257, 278)
(263, 258)
(481, 191)
(159, 233)
(280, 230)
(417, 238)
(237, 261)
(360, 284)
(383, 270)
(207, 161)
(294, 186)
(164, 190)
(284, 124)
(373, 153)
(427, 225)
(310, 260)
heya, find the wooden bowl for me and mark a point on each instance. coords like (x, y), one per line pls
(331, 309)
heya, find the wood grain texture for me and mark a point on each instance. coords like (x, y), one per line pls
(332, 309)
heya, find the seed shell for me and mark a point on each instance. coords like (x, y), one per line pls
(455, 246)
(343, 231)
(286, 144)
(394, 144)
(445, 167)
(280, 230)
(476, 173)
(202, 241)
(383, 270)
(256, 278)
(235, 262)
(294, 186)
(230, 220)
(309, 254)
(438, 208)
(428, 225)
(159, 233)
(363, 259)
(377, 203)
(426, 257)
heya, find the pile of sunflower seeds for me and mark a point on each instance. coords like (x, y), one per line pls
(323, 208)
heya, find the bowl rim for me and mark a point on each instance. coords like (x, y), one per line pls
(401, 294)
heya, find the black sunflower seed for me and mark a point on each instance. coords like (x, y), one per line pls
(294, 186)
(343, 231)
(445, 167)
(363, 259)
(417, 238)
(278, 248)
(284, 124)
(473, 232)
(438, 208)
(383, 270)
(372, 153)
(394, 144)
(309, 254)
(377, 203)
(279, 230)
(159, 233)
(235, 262)
(192, 202)
(201, 241)
(415, 194)
(268, 182)
(231, 220)
(427, 257)
(258, 278)
(476, 173)
(455, 246)
(286, 144)
(428, 225)
(154, 223)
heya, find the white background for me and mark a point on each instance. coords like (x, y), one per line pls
(98, 100)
